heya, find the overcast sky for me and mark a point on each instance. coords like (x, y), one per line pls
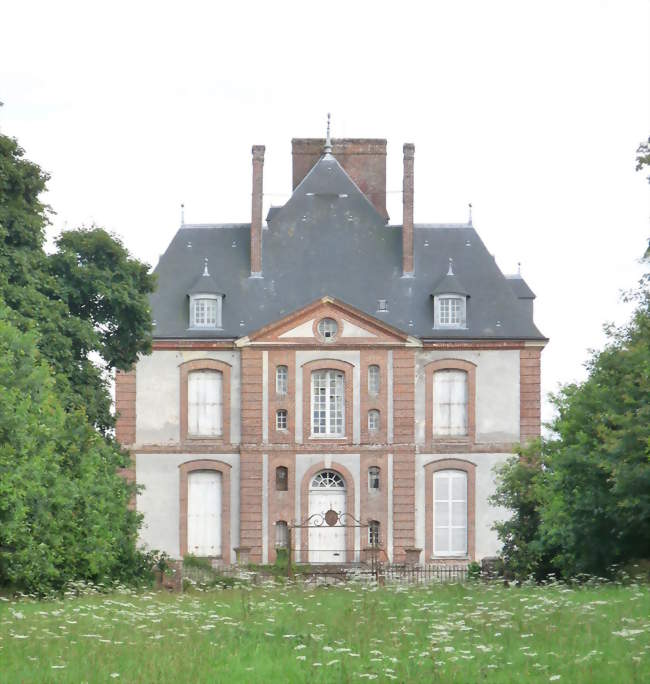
(530, 110)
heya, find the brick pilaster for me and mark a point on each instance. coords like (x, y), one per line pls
(530, 394)
(251, 396)
(404, 457)
(250, 508)
(125, 423)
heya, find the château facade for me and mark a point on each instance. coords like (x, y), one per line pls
(325, 359)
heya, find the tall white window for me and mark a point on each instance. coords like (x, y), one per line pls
(328, 403)
(281, 380)
(450, 311)
(281, 535)
(373, 380)
(204, 403)
(450, 398)
(450, 513)
(373, 477)
(205, 311)
(373, 420)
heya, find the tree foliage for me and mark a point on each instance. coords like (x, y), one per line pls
(66, 320)
(581, 499)
(63, 505)
(643, 156)
(87, 301)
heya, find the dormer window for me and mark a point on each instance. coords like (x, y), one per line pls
(450, 311)
(205, 311)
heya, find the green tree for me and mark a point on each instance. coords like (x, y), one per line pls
(582, 503)
(63, 506)
(87, 301)
(643, 156)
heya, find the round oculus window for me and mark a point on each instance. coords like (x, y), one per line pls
(327, 328)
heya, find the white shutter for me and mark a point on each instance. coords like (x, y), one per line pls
(205, 403)
(204, 513)
(450, 402)
(450, 513)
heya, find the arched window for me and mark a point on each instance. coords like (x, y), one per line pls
(281, 479)
(450, 513)
(373, 420)
(373, 380)
(450, 397)
(281, 419)
(204, 403)
(328, 403)
(327, 479)
(373, 478)
(281, 534)
(281, 380)
(374, 530)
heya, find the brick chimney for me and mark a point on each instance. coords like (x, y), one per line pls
(364, 160)
(256, 212)
(407, 214)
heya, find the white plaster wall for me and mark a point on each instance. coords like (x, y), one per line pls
(486, 540)
(159, 502)
(497, 392)
(157, 382)
(352, 357)
(350, 461)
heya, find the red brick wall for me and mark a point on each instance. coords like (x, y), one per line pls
(125, 407)
(403, 458)
(530, 396)
(251, 396)
(250, 506)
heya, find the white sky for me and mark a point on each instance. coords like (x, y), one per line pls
(530, 110)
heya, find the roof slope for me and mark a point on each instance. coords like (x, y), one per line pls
(329, 240)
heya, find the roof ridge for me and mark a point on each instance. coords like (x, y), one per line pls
(214, 225)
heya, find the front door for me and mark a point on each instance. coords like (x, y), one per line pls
(326, 542)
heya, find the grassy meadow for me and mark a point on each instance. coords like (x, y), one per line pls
(440, 633)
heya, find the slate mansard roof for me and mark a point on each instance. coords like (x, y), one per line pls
(328, 239)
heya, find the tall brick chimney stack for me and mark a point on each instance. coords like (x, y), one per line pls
(256, 212)
(407, 214)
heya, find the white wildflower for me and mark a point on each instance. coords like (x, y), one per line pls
(554, 678)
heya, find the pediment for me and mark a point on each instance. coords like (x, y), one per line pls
(355, 328)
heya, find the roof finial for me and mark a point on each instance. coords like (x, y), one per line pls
(182, 214)
(451, 267)
(469, 222)
(328, 141)
(519, 268)
(205, 267)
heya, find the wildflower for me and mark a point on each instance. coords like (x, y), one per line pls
(332, 662)
(299, 647)
(115, 675)
(554, 678)
(301, 657)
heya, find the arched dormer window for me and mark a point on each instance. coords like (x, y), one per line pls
(206, 302)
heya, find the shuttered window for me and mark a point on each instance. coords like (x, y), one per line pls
(205, 403)
(281, 534)
(450, 513)
(327, 403)
(450, 402)
(204, 513)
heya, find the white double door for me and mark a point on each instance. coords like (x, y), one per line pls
(326, 543)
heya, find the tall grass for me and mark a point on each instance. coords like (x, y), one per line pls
(441, 633)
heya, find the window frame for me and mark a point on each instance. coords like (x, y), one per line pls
(284, 542)
(205, 364)
(328, 434)
(374, 375)
(323, 334)
(279, 414)
(281, 383)
(279, 471)
(374, 414)
(441, 431)
(450, 552)
(450, 364)
(437, 308)
(374, 474)
(219, 404)
(374, 530)
(205, 296)
(306, 370)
